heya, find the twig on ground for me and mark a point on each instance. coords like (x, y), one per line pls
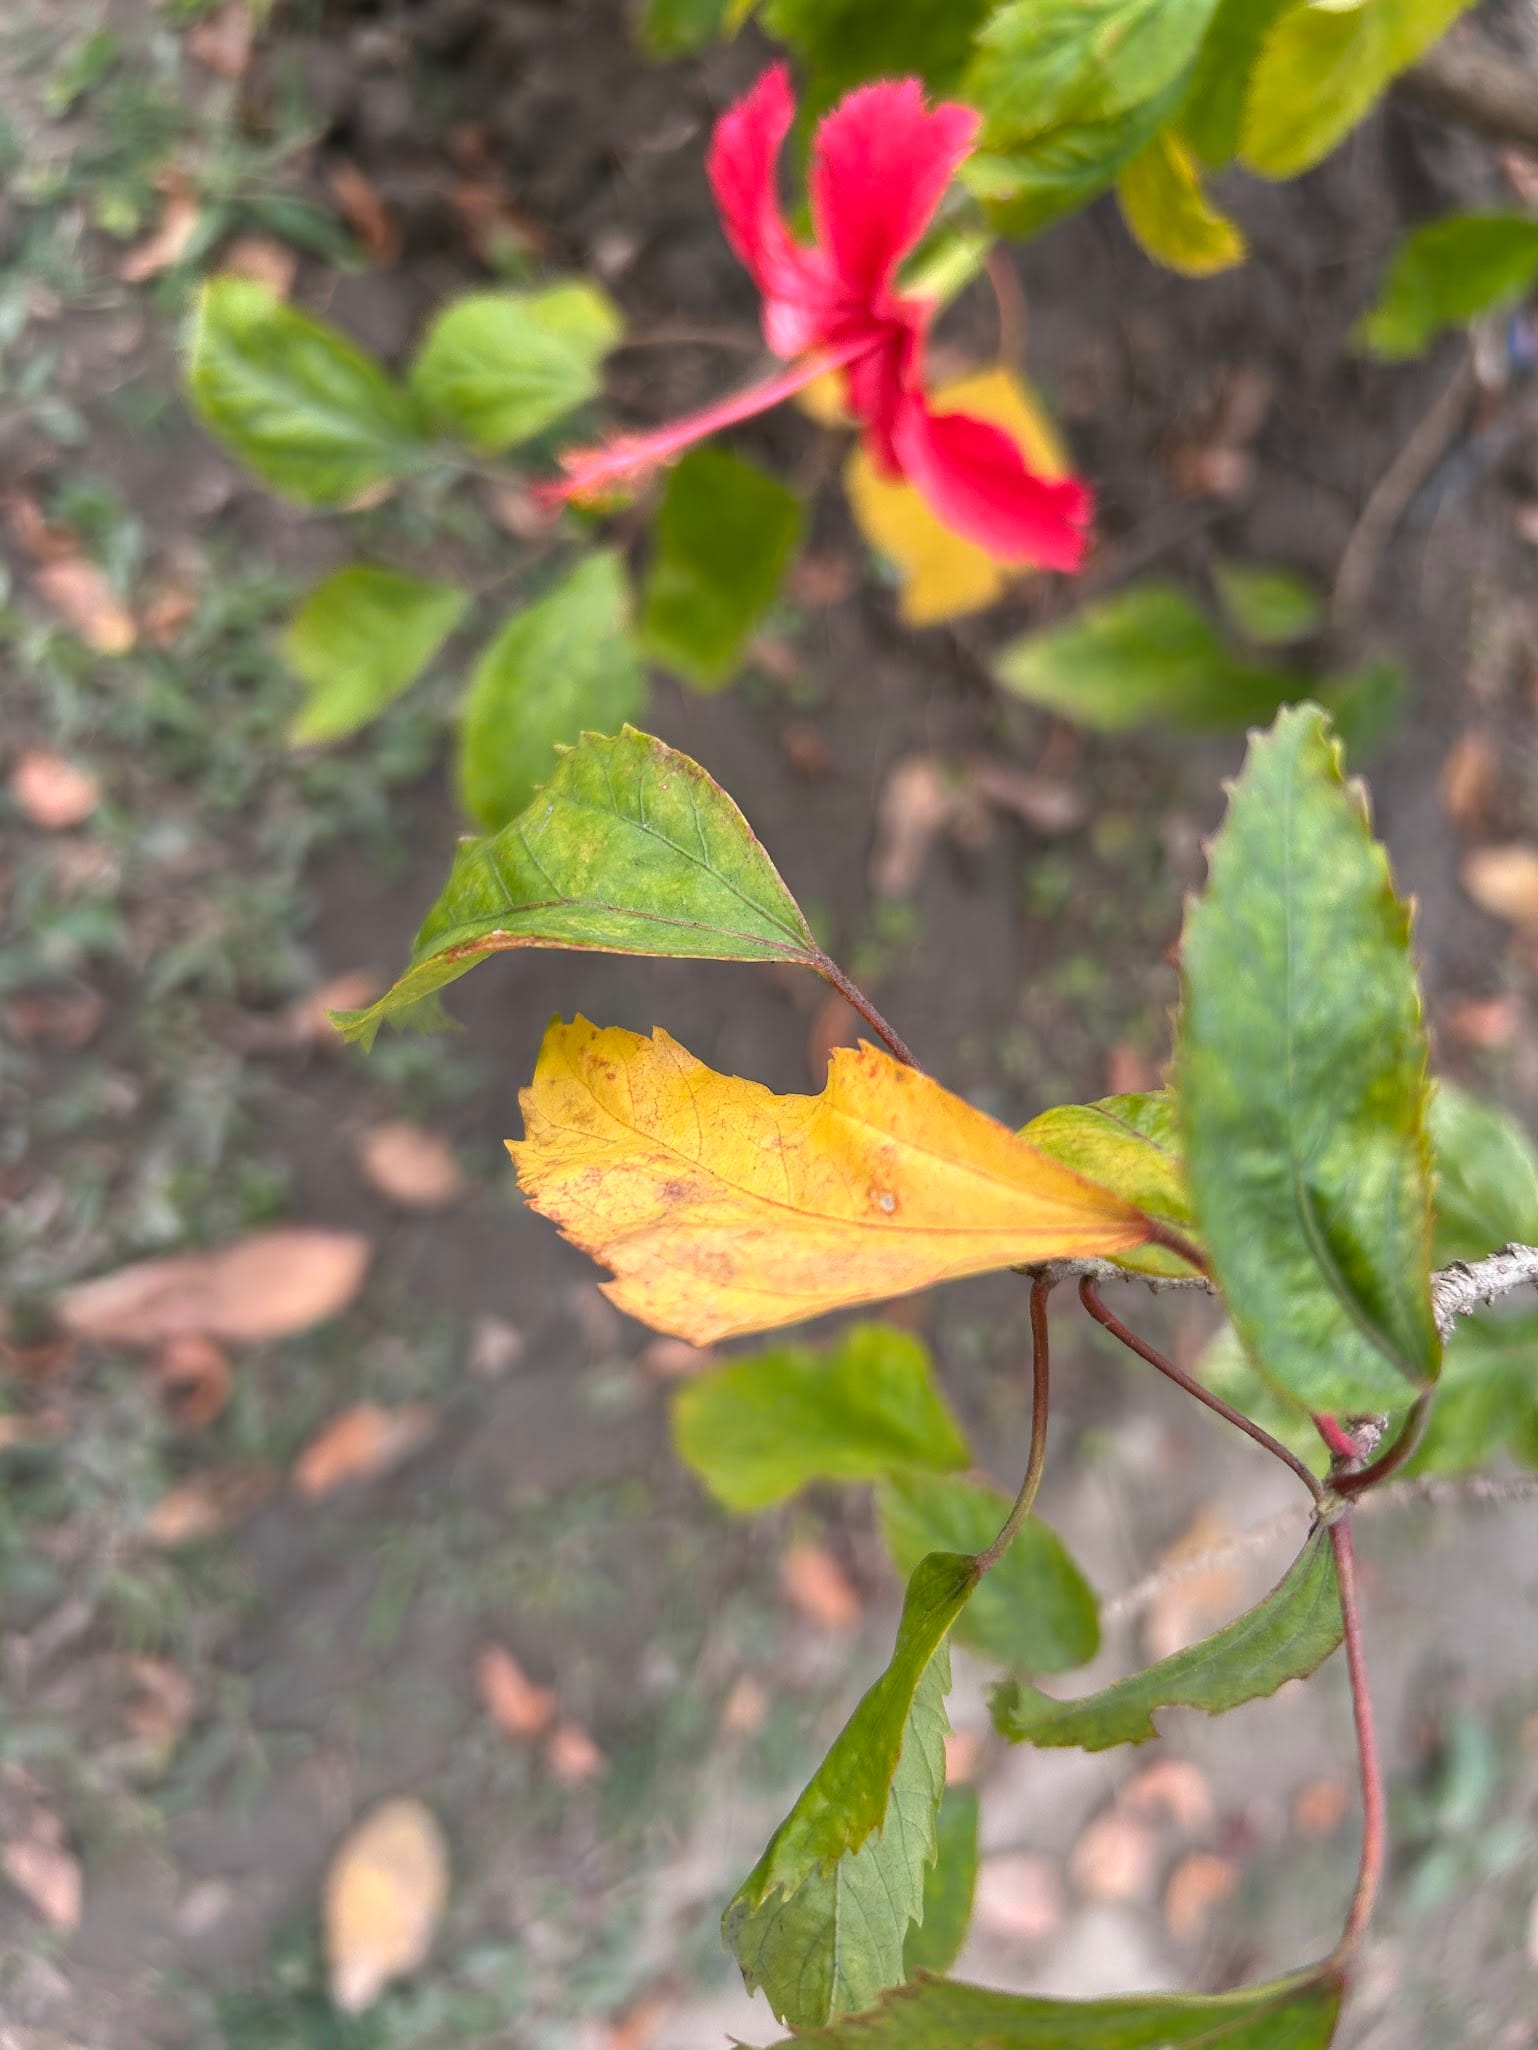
(1391, 495)
(1483, 89)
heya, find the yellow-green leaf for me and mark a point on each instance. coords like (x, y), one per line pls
(724, 1209)
(1164, 205)
(1129, 1144)
(1321, 68)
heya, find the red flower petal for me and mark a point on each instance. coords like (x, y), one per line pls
(744, 156)
(976, 480)
(880, 164)
(626, 456)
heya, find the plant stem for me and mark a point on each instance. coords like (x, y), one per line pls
(1041, 1288)
(859, 1001)
(1374, 1829)
(1411, 1433)
(1144, 1351)
(1338, 1440)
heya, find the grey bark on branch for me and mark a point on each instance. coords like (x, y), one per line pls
(1456, 1291)
(1480, 88)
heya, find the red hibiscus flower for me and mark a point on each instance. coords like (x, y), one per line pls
(881, 161)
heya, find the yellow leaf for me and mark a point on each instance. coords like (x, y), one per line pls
(723, 1208)
(1163, 203)
(384, 1895)
(943, 574)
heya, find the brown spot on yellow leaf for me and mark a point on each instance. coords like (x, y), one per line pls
(722, 1208)
(384, 1896)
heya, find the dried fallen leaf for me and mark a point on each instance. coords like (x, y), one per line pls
(806, 750)
(724, 1209)
(1047, 804)
(69, 1018)
(366, 213)
(745, 1708)
(495, 1348)
(917, 803)
(965, 1751)
(81, 592)
(268, 263)
(410, 1166)
(641, 2025)
(1115, 1859)
(52, 792)
(360, 1444)
(1485, 1021)
(1470, 779)
(194, 1380)
(160, 1705)
(210, 1503)
(268, 1285)
(1504, 881)
(674, 1359)
(1018, 1896)
(1171, 1788)
(167, 612)
(384, 1896)
(814, 1583)
(834, 1024)
(41, 1866)
(516, 1704)
(42, 1429)
(222, 41)
(1197, 1887)
(1320, 1806)
(172, 236)
(572, 1756)
(1192, 1604)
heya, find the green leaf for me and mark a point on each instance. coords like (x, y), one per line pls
(1269, 605)
(677, 28)
(1169, 214)
(293, 399)
(1212, 114)
(844, 43)
(1487, 1396)
(760, 1429)
(1128, 1144)
(1147, 654)
(1285, 1637)
(1301, 1081)
(1071, 91)
(1034, 1610)
(630, 848)
(821, 1920)
(360, 637)
(1364, 704)
(561, 667)
(1297, 2013)
(935, 1940)
(1445, 275)
(1321, 68)
(723, 537)
(1486, 1177)
(1025, 187)
(497, 368)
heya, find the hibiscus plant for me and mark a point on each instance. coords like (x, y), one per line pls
(1299, 1165)
(960, 487)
